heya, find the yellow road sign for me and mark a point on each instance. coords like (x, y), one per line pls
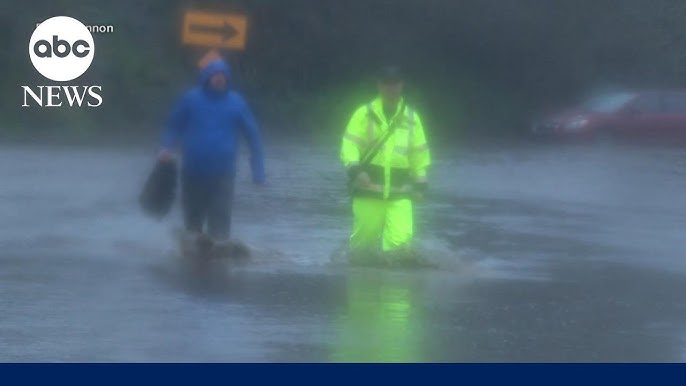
(219, 30)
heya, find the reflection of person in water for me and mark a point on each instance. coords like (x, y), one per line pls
(381, 322)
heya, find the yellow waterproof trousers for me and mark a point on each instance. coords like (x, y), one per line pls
(384, 225)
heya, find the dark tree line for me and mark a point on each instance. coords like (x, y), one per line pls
(477, 66)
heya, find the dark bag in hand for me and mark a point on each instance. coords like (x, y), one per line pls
(159, 191)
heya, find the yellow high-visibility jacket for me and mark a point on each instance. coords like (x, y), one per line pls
(405, 156)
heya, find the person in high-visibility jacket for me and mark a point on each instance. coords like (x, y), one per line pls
(385, 152)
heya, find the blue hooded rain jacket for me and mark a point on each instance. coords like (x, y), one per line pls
(205, 124)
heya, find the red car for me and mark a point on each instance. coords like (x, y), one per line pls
(635, 115)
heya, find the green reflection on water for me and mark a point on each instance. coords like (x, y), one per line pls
(382, 319)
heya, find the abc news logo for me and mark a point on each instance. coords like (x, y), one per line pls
(62, 49)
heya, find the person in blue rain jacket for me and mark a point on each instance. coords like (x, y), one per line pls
(204, 128)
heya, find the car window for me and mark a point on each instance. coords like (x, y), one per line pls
(607, 103)
(675, 103)
(647, 103)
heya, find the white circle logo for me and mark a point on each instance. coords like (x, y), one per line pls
(61, 48)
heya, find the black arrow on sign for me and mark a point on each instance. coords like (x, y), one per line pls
(226, 31)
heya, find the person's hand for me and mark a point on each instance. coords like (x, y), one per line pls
(419, 191)
(166, 155)
(362, 180)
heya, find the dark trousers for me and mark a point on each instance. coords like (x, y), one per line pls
(207, 200)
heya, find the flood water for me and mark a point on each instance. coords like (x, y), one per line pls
(545, 253)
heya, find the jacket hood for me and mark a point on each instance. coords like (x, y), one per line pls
(212, 68)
